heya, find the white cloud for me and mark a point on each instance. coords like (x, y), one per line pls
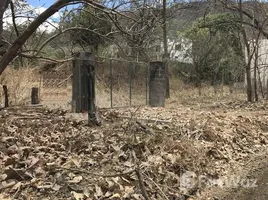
(27, 13)
(39, 10)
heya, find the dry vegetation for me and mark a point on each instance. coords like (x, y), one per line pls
(19, 83)
(137, 153)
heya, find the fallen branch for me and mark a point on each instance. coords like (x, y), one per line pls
(159, 188)
(96, 174)
(146, 120)
(7, 185)
(145, 128)
(141, 184)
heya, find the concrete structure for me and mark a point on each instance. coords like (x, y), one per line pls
(179, 50)
(261, 58)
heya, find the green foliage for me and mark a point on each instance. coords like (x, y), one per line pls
(216, 47)
(224, 23)
(214, 25)
(92, 19)
(211, 25)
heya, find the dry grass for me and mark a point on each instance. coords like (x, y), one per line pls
(120, 97)
(190, 95)
(19, 83)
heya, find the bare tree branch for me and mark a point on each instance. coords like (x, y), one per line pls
(17, 44)
(13, 18)
(255, 23)
(44, 58)
(3, 6)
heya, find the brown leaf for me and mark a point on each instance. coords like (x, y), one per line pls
(78, 196)
(16, 186)
(18, 174)
(99, 192)
(115, 196)
(9, 161)
(128, 191)
(76, 179)
(4, 197)
(33, 162)
(8, 184)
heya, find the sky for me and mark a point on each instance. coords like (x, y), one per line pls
(43, 3)
(34, 8)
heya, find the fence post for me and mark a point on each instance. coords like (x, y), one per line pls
(6, 96)
(83, 97)
(157, 84)
(34, 96)
(132, 70)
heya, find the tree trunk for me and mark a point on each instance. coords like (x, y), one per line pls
(255, 76)
(250, 97)
(17, 44)
(198, 79)
(261, 84)
(267, 89)
(131, 66)
(3, 7)
(165, 45)
(6, 96)
(249, 84)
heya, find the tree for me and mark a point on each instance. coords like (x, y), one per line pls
(94, 23)
(133, 21)
(165, 45)
(216, 47)
(252, 19)
(3, 7)
(12, 51)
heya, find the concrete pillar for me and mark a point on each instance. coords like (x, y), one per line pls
(157, 84)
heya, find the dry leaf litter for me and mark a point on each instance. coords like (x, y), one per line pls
(136, 153)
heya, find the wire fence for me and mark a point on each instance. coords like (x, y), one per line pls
(55, 86)
(118, 83)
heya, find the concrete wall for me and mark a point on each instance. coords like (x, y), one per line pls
(180, 50)
(262, 61)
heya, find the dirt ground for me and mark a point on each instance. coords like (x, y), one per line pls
(137, 153)
(257, 171)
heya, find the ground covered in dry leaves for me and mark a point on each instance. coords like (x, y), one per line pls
(137, 153)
